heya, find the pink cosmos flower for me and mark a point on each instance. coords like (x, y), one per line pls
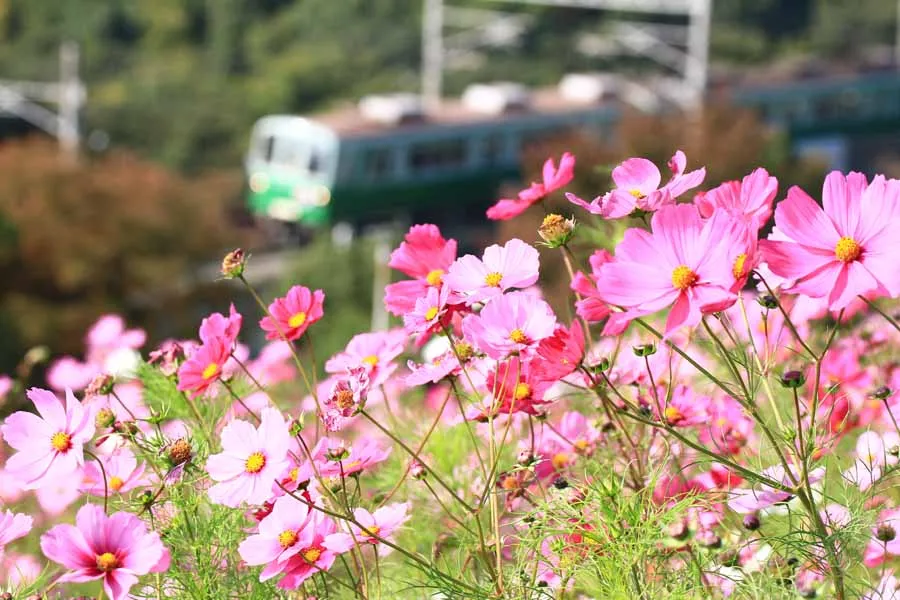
(346, 398)
(748, 500)
(848, 249)
(510, 324)
(516, 386)
(425, 256)
(432, 371)
(273, 365)
(292, 314)
(888, 588)
(553, 179)
(684, 407)
(383, 523)
(218, 325)
(562, 353)
(50, 446)
(117, 549)
(684, 262)
(430, 312)
(374, 351)
(204, 366)
(872, 455)
(749, 199)
(729, 428)
(591, 308)
(21, 569)
(13, 526)
(55, 496)
(252, 459)
(334, 457)
(278, 537)
(637, 187)
(573, 437)
(123, 474)
(513, 265)
(319, 544)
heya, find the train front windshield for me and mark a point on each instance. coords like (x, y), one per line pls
(289, 178)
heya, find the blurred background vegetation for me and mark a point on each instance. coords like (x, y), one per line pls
(175, 86)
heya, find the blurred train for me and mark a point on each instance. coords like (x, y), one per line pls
(392, 155)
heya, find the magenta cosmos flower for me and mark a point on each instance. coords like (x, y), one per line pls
(501, 268)
(553, 179)
(50, 446)
(510, 324)
(319, 543)
(117, 549)
(291, 315)
(684, 261)
(848, 249)
(637, 187)
(374, 351)
(382, 523)
(204, 366)
(425, 256)
(750, 198)
(218, 325)
(252, 459)
(276, 540)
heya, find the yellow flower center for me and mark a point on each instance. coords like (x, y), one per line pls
(116, 483)
(311, 554)
(493, 279)
(683, 277)
(637, 193)
(211, 370)
(559, 460)
(294, 473)
(673, 415)
(523, 390)
(737, 269)
(297, 319)
(431, 313)
(518, 336)
(287, 538)
(435, 277)
(107, 561)
(371, 360)
(580, 445)
(61, 441)
(352, 465)
(371, 531)
(255, 462)
(847, 249)
(344, 399)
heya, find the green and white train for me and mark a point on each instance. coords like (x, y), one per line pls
(391, 155)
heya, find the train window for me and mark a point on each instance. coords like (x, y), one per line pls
(377, 162)
(266, 147)
(315, 162)
(437, 155)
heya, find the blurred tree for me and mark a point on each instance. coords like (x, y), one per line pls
(115, 234)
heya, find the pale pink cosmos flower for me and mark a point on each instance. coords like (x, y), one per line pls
(374, 351)
(252, 459)
(749, 199)
(117, 549)
(382, 523)
(637, 187)
(888, 588)
(13, 526)
(334, 457)
(553, 179)
(872, 455)
(432, 371)
(277, 538)
(429, 313)
(57, 495)
(501, 268)
(844, 249)
(748, 500)
(510, 324)
(425, 256)
(123, 474)
(293, 314)
(273, 365)
(21, 569)
(684, 262)
(50, 446)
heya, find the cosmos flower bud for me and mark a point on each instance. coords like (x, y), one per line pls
(556, 230)
(233, 264)
(560, 483)
(885, 533)
(104, 418)
(793, 379)
(751, 522)
(767, 301)
(882, 393)
(417, 470)
(464, 351)
(101, 385)
(644, 350)
(337, 454)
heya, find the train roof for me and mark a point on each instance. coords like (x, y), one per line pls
(348, 120)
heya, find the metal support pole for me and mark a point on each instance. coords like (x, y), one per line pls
(69, 100)
(432, 51)
(697, 67)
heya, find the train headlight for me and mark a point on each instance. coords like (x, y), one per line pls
(317, 195)
(259, 183)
